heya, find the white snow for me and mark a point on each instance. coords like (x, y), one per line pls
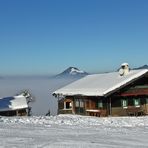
(100, 84)
(75, 71)
(70, 131)
(13, 103)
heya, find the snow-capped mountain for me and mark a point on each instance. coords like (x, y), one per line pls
(72, 72)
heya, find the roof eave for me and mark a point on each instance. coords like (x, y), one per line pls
(122, 86)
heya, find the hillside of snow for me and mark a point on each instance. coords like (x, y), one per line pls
(70, 131)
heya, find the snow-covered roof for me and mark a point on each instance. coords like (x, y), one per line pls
(13, 103)
(100, 84)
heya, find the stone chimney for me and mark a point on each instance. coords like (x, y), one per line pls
(124, 69)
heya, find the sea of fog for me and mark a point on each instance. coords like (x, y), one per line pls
(40, 87)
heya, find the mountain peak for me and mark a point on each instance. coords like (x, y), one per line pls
(72, 72)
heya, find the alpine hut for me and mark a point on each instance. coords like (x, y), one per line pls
(13, 106)
(120, 93)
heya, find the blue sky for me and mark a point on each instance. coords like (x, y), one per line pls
(47, 36)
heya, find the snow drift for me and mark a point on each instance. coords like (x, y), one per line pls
(70, 131)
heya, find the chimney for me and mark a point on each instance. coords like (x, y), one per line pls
(124, 69)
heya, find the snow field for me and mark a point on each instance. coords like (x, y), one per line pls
(73, 131)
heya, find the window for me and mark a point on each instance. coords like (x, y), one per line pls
(79, 106)
(81, 103)
(137, 102)
(68, 105)
(77, 102)
(100, 104)
(124, 103)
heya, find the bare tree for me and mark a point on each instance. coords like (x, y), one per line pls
(29, 98)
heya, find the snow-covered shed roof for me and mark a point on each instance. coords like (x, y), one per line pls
(13, 103)
(100, 84)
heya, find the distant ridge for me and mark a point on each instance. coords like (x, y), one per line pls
(72, 72)
(142, 67)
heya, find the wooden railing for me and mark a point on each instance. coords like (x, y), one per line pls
(96, 112)
(135, 111)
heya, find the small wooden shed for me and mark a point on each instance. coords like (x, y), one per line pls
(13, 106)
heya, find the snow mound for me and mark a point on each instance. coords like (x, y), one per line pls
(79, 121)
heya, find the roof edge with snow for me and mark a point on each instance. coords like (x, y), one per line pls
(100, 84)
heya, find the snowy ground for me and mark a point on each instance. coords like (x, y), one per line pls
(70, 131)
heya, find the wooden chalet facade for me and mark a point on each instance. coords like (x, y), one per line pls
(120, 93)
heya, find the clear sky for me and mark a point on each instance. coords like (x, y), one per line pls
(48, 36)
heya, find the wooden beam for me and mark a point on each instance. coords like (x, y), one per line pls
(135, 92)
